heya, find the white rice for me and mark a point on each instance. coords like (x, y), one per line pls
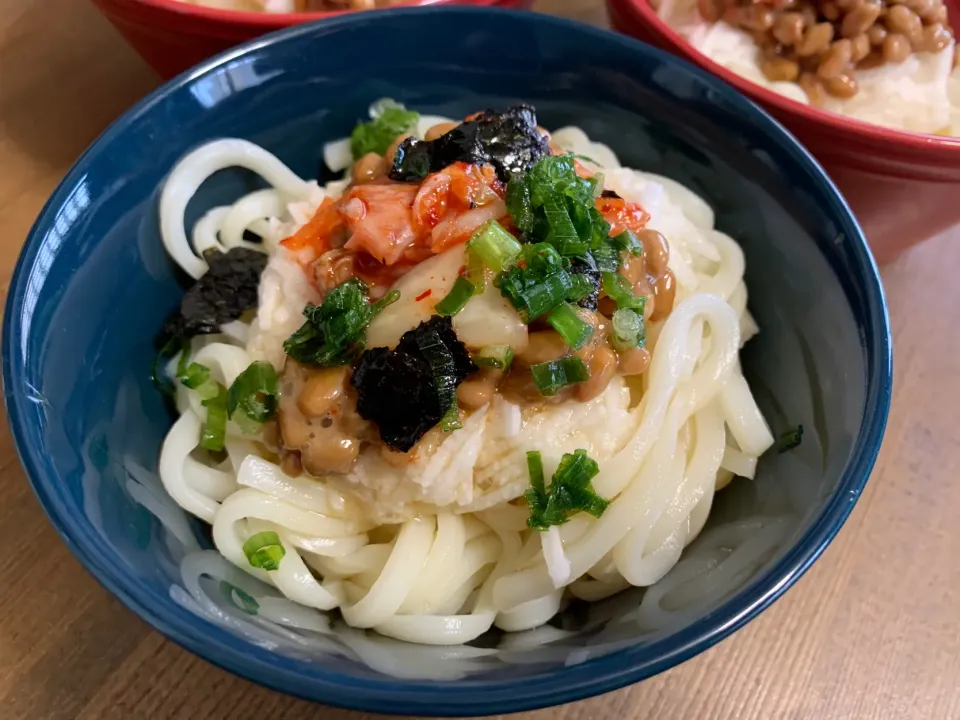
(921, 94)
(484, 463)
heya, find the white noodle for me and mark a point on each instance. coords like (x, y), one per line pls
(439, 552)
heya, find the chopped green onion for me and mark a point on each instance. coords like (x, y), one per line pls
(628, 241)
(789, 439)
(537, 494)
(246, 425)
(572, 328)
(535, 468)
(254, 393)
(389, 299)
(606, 257)
(495, 246)
(553, 375)
(571, 490)
(457, 298)
(208, 390)
(540, 284)
(562, 234)
(378, 107)
(390, 122)
(213, 396)
(617, 288)
(335, 331)
(214, 429)
(475, 270)
(444, 370)
(197, 377)
(628, 330)
(574, 473)
(194, 375)
(264, 550)
(494, 356)
(451, 419)
(552, 203)
(582, 286)
(239, 598)
(534, 302)
(158, 373)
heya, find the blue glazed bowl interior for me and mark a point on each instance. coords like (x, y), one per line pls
(94, 285)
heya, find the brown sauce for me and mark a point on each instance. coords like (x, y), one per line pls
(318, 420)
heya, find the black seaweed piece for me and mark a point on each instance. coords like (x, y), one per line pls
(508, 140)
(589, 271)
(610, 194)
(224, 293)
(396, 389)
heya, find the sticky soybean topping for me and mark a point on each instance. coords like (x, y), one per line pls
(820, 43)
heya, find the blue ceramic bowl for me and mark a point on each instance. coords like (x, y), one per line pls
(93, 285)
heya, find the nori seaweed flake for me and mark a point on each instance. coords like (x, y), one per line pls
(396, 389)
(225, 292)
(508, 140)
(580, 266)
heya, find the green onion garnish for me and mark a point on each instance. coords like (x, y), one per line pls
(789, 439)
(335, 331)
(535, 469)
(628, 241)
(497, 248)
(617, 288)
(606, 257)
(246, 425)
(392, 120)
(628, 330)
(498, 357)
(474, 272)
(553, 375)
(215, 428)
(451, 419)
(194, 375)
(213, 396)
(457, 298)
(264, 550)
(571, 490)
(582, 287)
(444, 370)
(254, 393)
(170, 348)
(572, 328)
(239, 598)
(540, 285)
(562, 234)
(551, 203)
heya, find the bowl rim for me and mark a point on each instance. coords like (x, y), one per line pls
(460, 697)
(644, 14)
(259, 20)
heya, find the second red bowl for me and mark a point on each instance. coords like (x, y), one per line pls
(902, 186)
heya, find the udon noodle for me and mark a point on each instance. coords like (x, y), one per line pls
(439, 550)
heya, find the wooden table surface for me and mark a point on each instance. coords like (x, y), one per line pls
(872, 631)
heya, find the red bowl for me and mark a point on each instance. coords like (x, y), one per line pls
(173, 36)
(904, 187)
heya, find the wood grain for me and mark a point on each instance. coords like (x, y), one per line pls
(870, 632)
